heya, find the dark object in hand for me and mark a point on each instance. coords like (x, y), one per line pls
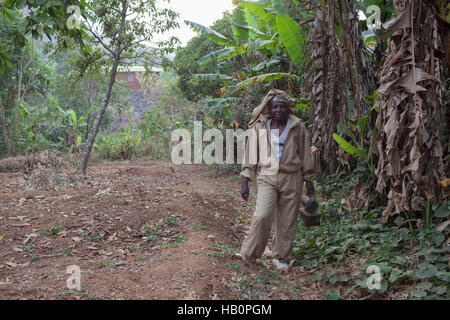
(310, 215)
(309, 188)
(244, 189)
(311, 205)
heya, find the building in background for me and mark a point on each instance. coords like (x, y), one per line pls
(134, 76)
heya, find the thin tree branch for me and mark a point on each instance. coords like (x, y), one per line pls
(108, 48)
(4, 132)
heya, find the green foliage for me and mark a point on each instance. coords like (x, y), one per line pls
(46, 18)
(259, 32)
(267, 77)
(55, 230)
(210, 77)
(260, 12)
(185, 62)
(347, 147)
(414, 259)
(334, 295)
(211, 34)
(358, 146)
(120, 145)
(289, 31)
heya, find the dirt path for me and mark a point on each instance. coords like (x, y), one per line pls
(140, 230)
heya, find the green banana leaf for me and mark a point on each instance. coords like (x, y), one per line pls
(213, 55)
(264, 78)
(210, 77)
(240, 33)
(349, 148)
(246, 48)
(266, 64)
(277, 7)
(289, 32)
(212, 35)
(230, 52)
(260, 12)
(257, 34)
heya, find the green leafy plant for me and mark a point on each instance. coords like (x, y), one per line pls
(120, 145)
(73, 125)
(410, 257)
(171, 221)
(55, 230)
(282, 35)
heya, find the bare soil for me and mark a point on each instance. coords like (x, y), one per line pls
(137, 230)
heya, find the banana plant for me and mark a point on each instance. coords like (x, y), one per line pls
(257, 26)
(73, 123)
(266, 77)
(357, 147)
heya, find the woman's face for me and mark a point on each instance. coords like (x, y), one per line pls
(279, 111)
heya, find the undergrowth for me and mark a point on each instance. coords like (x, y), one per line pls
(352, 243)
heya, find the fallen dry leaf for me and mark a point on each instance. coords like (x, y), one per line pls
(345, 204)
(443, 225)
(21, 225)
(11, 264)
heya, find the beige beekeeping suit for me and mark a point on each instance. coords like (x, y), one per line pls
(279, 181)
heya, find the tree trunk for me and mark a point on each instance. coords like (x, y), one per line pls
(5, 134)
(98, 119)
(21, 93)
(327, 82)
(360, 72)
(107, 96)
(409, 148)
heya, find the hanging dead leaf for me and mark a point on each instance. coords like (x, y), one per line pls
(345, 205)
(400, 21)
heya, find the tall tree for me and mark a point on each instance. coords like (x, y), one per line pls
(360, 71)
(121, 27)
(327, 80)
(409, 148)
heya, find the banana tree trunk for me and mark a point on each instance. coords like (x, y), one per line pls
(328, 82)
(360, 72)
(409, 148)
